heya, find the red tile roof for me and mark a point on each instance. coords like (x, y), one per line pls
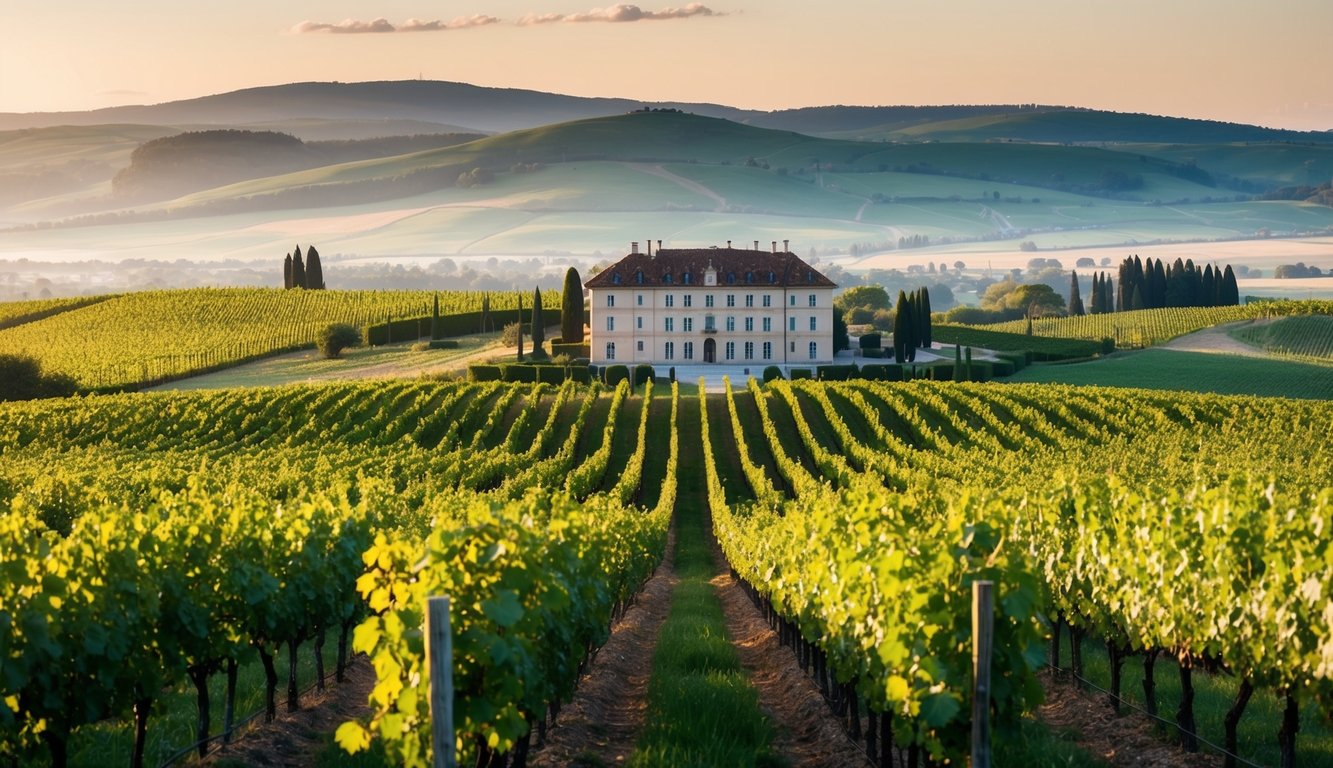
(668, 267)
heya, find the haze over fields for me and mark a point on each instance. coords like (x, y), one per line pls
(520, 178)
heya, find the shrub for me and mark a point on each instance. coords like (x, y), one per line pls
(21, 378)
(573, 350)
(772, 372)
(875, 372)
(443, 344)
(509, 336)
(871, 341)
(894, 372)
(580, 373)
(872, 353)
(550, 374)
(642, 375)
(483, 373)
(525, 374)
(333, 339)
(616, 374)
(801, 373)
(836, 372)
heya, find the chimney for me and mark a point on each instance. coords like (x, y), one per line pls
(634, 247)
(728, 245)
(775, 246)
(659, 245)
(649, 241)
(756, 245)
(785, 247)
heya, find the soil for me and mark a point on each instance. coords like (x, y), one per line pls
(806, 732)
(295, 738)
(602, 724)
(1125, 740)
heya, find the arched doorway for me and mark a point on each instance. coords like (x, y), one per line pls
(710, 351)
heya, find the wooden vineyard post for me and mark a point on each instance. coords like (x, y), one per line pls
(983, 629)
(440, 651)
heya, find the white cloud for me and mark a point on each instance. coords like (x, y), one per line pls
(621, 12)
(382, 25)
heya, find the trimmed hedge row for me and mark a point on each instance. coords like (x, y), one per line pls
(529, 374)
(461, 324)
(1038, 348)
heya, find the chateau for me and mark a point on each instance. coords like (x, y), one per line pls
(732, 306)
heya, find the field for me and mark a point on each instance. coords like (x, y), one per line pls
(797, 462)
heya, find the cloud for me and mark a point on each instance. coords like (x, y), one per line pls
(621, 12)
(382, 25)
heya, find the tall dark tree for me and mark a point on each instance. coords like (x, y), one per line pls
(1159, 284)
(571, 308)
(520, 327)
(1208, 288)
(841, 338)
(1136, 301)
(314, 271)
(1229, 295)
(902, 327)
(923, 330)
(435, 319)
(486, 313)
(298, 269)
(287, 272)
(1075, 301)
(538, 326)
(1108, 293)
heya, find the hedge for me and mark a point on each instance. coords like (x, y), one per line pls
(801, 373)
(871, 341)
(642, 375)
(836, 372)
(484, 373)
(1043, 348)
(573, 350)
(615, 374)
(413, 328)
(772, 372)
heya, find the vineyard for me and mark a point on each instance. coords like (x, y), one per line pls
(136, 339)
(1308, 337)
(156, 543)
(1148, 327)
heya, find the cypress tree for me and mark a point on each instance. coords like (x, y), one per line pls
(538, 329)
(520, 327)
(910, 340)
(485, 312)
(967, 365)
(1108, 294)
(1159, 284)
(1075, 301)
(314, 271)
(900, 329)
(1230, 293)
(435, 319)
(287, 272)
(1136, 301)
(924, 330)
(957, 363)
(1208, 288)
(571, 308)
(298, 270)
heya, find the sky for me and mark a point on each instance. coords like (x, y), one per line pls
(1229, 60)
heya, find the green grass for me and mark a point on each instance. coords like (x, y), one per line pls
(1194, 372)
(1042, 347)
(702, 710)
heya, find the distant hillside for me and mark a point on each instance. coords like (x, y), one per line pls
(495, 110)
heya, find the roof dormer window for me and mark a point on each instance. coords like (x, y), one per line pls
(688, 279)
(772, 277)
(615, 278)
(668, 279)
(638, 277)
(731, 278)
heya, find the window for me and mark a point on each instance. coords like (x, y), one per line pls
(689, 350)
(610, 350)
(668, 324)
(731, 350)
(615, 279)
(749, 350)
(708, 300)
(731, 278)
(812, 300)
(688, 325)
(610, 300)
(639, 299)
(772, 277)
(814, 350)
(670, 300)
(749, 277)
(731, 323)
(768, 300)
(667, 279)
(793, 300)
(638, 323)
(749, 325)
(793, 347)
(610, 323)
(638, 277)
(640, 346)
(688, 301)
(768, 325)
(731, 299)
(710, 325)
(812, 323)
(791, 324)
(749, 299)
(768, 350)
(688, 279)
(669, 350)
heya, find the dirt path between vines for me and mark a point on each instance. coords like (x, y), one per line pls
(806, 732)
(1123, 741)
(295, 739)
(602, 724)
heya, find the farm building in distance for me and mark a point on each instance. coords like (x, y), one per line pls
(711, 305)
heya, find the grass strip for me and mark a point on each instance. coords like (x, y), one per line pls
(702, 710)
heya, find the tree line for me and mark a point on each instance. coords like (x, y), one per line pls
(1154, 284)
(308, 274)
